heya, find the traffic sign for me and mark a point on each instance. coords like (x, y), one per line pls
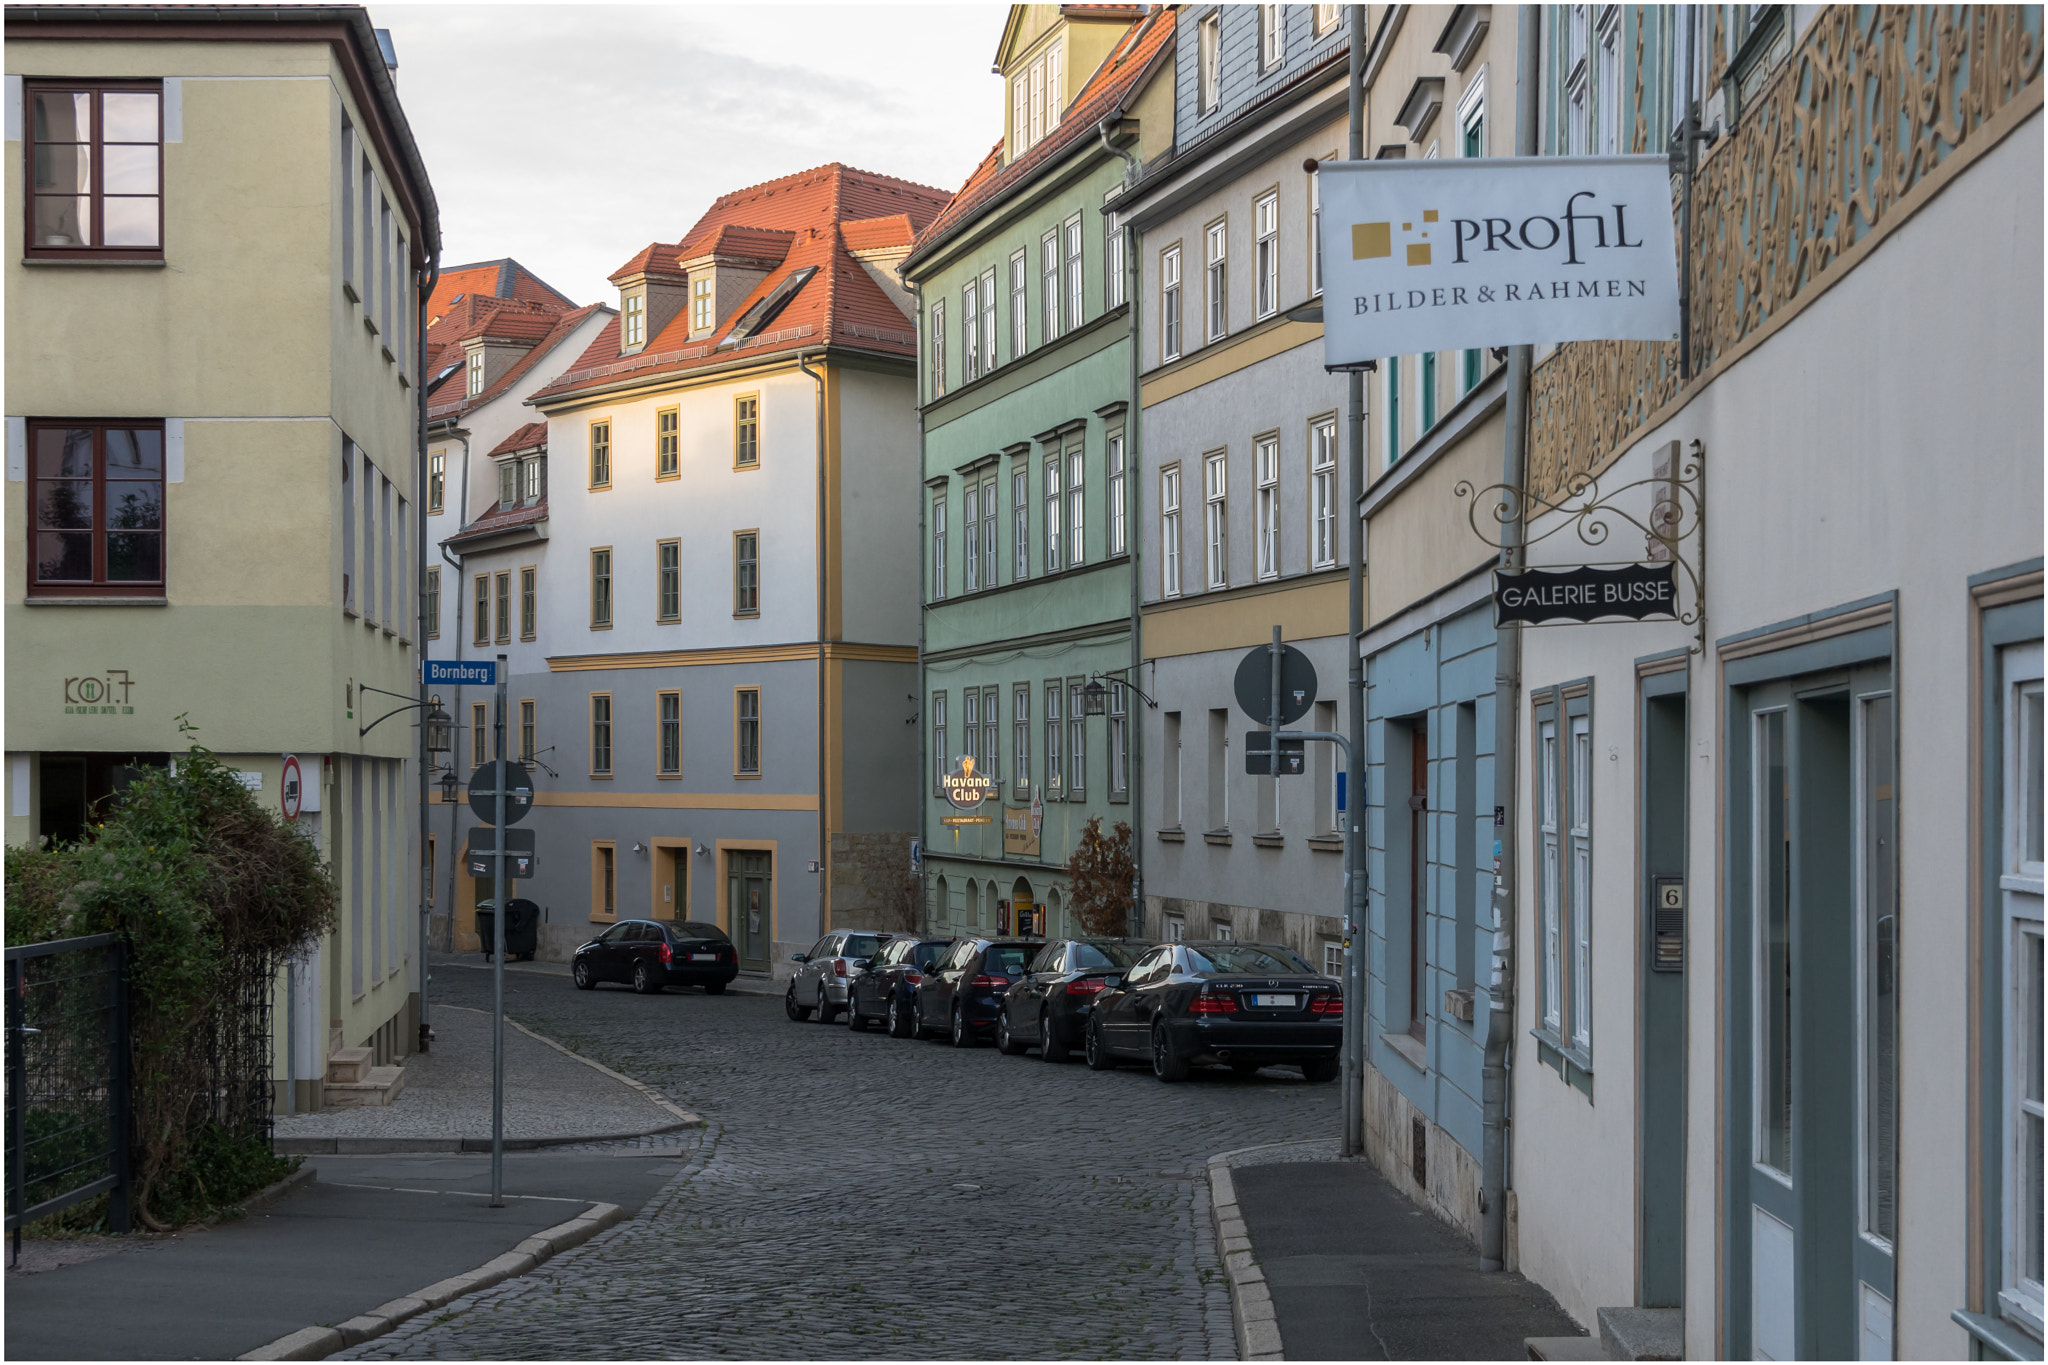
(459, 672)
(1258, 753)
(483, 847)
(289, 789)
(483, 792)
(1255, 684)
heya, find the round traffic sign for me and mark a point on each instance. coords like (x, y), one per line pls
(288, 787)
(483, 792)
(1255, 684)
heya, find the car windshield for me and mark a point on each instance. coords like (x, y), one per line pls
(1245, 957)
(860, 945)
(1008, 958)
(697, 929)
(1088, 955)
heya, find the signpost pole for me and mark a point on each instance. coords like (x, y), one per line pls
(1354, 777)
(1273, 711)
(498, 956)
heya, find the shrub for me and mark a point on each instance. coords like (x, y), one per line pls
(1100, 876)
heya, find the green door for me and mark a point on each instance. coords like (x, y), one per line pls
(748, 878)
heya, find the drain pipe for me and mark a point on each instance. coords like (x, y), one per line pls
(824, 854)
(1134, 735)
(1507, 680)
(1355, 905)
(426, 292)
(455, 714)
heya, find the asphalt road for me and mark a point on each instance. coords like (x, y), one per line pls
(855, 1195)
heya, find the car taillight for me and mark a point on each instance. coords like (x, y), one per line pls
(913, 977)
(1085, 985)
(1213, 1004)
(1326, 1004)
(839, 966)
(667, 954)
(989, 983)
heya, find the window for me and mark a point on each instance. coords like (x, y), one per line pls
(1426, 381)
(367, 195)
(991, 735)
(475, 374)
(988, 532)
(746, 732)
(970, 330)
(746, 573)
(1216, 278)
(1020, 729)
(938, 547)
(1049, 282)
(1076, 299)
(1393, 406)
(970, 725)
(668, 444)
(528, 607)
(1169, 531)
(988, 320)
(479, 730)
(1266, 218)
(972, 541)
(526, 729)
(351, 279)
(937, 342)
(1037, 97)
(437, 479)
(1322, 469)
(1055, 771)
(1114, 458)
(942, 762)
(432, 605)
(1077, 542)
(604, 900)
(508, 483)
(1209, 56)
(600, 734)
(600, 589)
(1053, 561)
(669, 712)
(1272, 37)
(98, 493)
(1577, 131)
(1077, 740)
(481, 635)
(385, 577)
(2019, 891)
(1020, 523)
(1315, 235)
(634, 312)
(746, 430)
(701, 316)
(1216, 524)
(502, 604)
(1268, 453)
(1607, 89)
(1564, 899)
(600, 454)
(96, 158)
(1550, 854)
(668, 580)
(1169, 304)
(1020, 306)
(367, 481)
(533, 474)
(1579, 793)
(1119, 743)
(1326, 18)
(1113, 281)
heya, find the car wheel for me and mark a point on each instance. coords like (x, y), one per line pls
(714, 988)
(960, 1036)
(826, 1013)
(1319, 1073)
(1007, 1042)
(854, 1021)
(797, 1012)
(643, 980)
(899, 1019)
(1096, 1050)
(1167, 1063)
(584, 980)
(1050, 1048)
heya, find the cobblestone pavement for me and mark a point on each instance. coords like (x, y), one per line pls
(855, 1195)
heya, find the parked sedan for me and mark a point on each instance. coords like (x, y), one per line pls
(961, 996)
(1246, 1005)
(826, 973)
(886, 990)
(1049, 1007)
(655, 953)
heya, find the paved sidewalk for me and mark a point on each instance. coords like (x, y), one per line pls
(368, 1230)
(1359, 1272)
(550, 1096)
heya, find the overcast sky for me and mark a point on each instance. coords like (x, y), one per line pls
(570, 136)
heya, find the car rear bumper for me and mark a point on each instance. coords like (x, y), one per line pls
(697, 973)
(1268, 1041)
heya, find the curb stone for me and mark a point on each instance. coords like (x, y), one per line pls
(317, 1343)
(1251, 1305)
(370, 1146)
(270, 1194)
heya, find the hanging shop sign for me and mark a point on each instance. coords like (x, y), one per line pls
(1442, 255)
(964, 787)
(1625, 592)
(1021, 825)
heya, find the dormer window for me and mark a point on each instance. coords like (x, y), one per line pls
(508, 484)
(701, 316)
(533, 473)
(634, 311)
(1037, 97)
(476, 373)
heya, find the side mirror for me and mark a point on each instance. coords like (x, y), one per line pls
(863, 962)
(1108, 981)
(799, 957)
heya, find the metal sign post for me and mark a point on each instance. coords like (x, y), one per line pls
(498, 917)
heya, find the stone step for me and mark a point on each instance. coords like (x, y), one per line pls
(1643, 1333)
(379, 1087)
(1565, 1348)
(347, 1065)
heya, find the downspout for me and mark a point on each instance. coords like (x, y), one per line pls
(1134, 735)
(824, 853)
(924, 758)
(1356, 940)
(455, 714)
(426, 292)
(1507, 653)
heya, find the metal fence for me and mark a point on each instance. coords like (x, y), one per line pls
(67, 1079)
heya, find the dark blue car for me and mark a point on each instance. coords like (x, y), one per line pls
(886, 990)
(961, 997)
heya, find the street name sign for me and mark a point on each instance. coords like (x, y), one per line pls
(1625, 592)
(1254, 684)
(483, 792)
(459, 672)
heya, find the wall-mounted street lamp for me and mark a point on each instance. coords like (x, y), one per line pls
(440, 727)
(449, 783)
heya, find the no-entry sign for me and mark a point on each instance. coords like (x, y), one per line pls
(289, 793)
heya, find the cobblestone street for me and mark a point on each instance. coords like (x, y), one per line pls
(855, 1195)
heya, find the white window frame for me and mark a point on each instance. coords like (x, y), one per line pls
(988, 320)
(475, 373)
(992, 734)
(1053, 507)
(1209, 57)
(1272, 38)
(940, 767)
(1266, 452)
(1055, 771)
(1579, 810)
(1550, 890)
(1020, 728)
(1119, 741)
(1112, 263)
(1607, 84)
(1020, 306)
(2020, 890)
(1322, 444)
(1049, 283)
(1315, 235)
(1113, 459)
(633, 309)
(1216, 280)
(1266, 253)
(1020, 522)
(970, 724)
(1077, 294)
(1216, 517)
(1077, 478)
(938, 348)
(1169, 531)
(938, 547)
(702, 318)
(1170, 310)
(970, 541)
(970, 331)
(988, 532)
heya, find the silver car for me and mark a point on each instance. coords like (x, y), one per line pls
(824, 976)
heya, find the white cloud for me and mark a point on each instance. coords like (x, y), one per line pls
(570, 136)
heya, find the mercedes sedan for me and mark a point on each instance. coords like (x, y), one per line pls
(1049, 1008)
(1243, 1005)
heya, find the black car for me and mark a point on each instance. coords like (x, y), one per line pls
(1051, 1005)
(655, 953)
(886, 990)
(1246, 1005)
(961, 995)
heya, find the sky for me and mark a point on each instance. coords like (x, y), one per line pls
(570, 136)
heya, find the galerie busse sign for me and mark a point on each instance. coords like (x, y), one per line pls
(1626, 592)
(1442, 255)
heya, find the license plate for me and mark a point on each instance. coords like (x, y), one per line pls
(1275, 1002)
(703, 957)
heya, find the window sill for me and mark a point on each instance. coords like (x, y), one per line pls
(152, 263)
(1326, 843)
(1274, 840)
(1996, 1335)
(95, 601)
(1219, 837)
(1410, 1049)
(350, 291)
(371, 326)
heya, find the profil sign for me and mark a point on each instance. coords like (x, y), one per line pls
(1442, 255)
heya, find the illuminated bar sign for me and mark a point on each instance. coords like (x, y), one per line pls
(1627, 592)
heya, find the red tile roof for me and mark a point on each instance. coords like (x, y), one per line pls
(809, 213)
(447, 398)
(496, 520)
(730, 239)
(504, 278)
(654, 256)
(1106, 93)
(878, 234)
(532, 436)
